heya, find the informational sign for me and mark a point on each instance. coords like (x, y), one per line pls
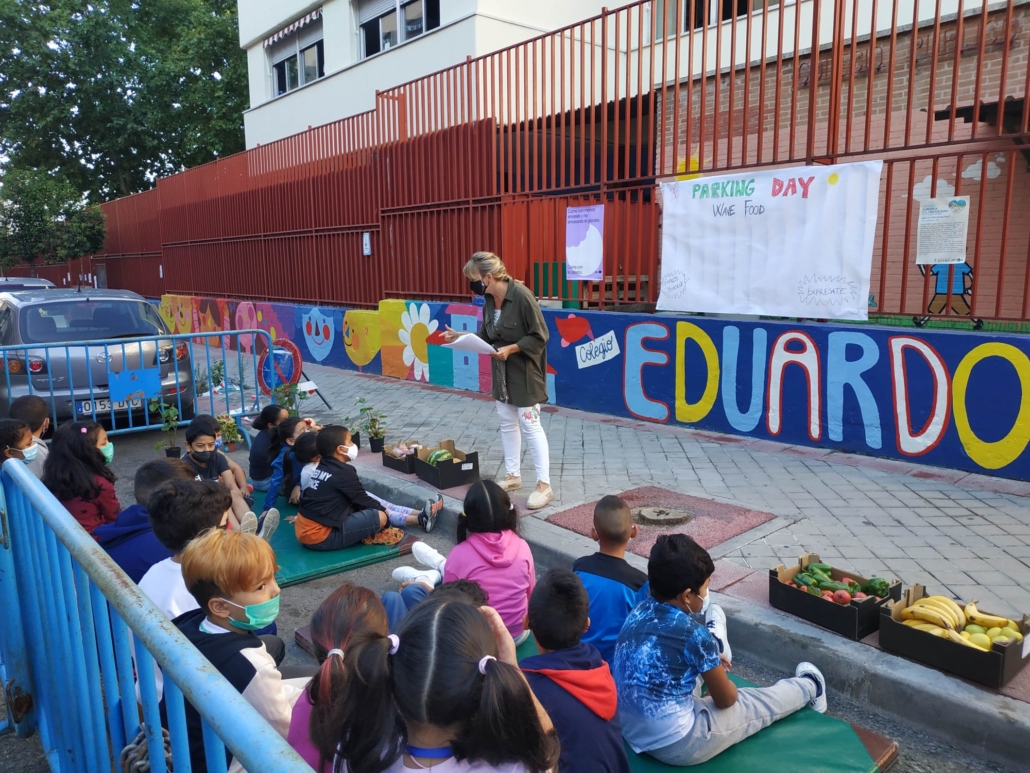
(943, 226)
(789, 242)
(597, 351)
(584, 243)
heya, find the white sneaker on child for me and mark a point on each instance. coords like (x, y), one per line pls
(269, 522)
(429, 556)
(810, 671)
(413, 574)
(715, 621)
(249, 523)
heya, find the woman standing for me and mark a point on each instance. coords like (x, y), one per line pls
(513, 324)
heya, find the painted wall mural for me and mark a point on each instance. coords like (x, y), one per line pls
(954, 399)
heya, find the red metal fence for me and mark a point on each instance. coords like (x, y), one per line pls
(488, 155)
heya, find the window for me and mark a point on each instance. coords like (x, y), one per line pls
(298, 59)
(705, 12)
(380, 30)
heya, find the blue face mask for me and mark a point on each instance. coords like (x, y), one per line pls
(258, 615)
(28, 455)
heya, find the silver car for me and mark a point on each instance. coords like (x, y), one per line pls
(46, 336)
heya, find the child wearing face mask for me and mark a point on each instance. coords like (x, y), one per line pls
(34, 411)
(662, 650)
(77, 473)
(17, 441)
(336, 511)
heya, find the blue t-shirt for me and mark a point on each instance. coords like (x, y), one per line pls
(659, 656)
(614, 588)
(958, 284)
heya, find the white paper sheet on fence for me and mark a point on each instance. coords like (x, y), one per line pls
(790, 242)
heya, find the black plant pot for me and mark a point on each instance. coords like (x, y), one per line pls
(173, 453)
(356, 438)
(375, 444)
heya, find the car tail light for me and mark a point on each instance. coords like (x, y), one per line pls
(36, 367)
(14, 365)
(181, 351)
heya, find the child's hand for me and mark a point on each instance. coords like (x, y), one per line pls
(505, 644)
(291, 519)
(726, 663)
(295, 495)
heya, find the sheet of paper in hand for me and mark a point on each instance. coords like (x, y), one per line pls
(789, 242)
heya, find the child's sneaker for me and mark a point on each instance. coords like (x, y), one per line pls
(269, 523)
(427, 518)
(249, 523)
(715, 621)
(429, 556)
(809, 671)
(413, 574)
(511, 482)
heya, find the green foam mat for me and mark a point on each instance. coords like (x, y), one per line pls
(299, 564)
(806, 740)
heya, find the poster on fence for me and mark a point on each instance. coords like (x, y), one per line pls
(584, 243)
(788, 243)
(943, 227)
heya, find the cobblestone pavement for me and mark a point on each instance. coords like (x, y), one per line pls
(966, 534)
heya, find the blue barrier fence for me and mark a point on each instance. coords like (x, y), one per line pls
(125, 382)
(66, 653)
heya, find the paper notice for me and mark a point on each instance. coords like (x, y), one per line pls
(943, 226)
(471, 343)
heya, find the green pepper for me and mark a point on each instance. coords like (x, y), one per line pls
(805, 579)
(825, 568)
(819, 574)
(834, 586)
(877, 586)
(854, 587)
(814, 590)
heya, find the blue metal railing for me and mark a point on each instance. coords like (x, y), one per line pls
(94, 379)
(66, 653)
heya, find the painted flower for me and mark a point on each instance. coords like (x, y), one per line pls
(416, 326)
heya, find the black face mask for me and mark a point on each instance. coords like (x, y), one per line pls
(478, 287)
(203, 456)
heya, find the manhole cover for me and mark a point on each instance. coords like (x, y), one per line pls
(660, 516)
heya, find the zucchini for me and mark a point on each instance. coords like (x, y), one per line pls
(834, 586)
(821, 567)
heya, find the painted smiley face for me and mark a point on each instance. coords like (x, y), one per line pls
(319, 333)
(361, 336)
(183, 314)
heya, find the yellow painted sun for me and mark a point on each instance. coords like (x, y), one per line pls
(417, 325)
(833, 179)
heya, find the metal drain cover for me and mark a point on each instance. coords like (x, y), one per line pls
(660, 516)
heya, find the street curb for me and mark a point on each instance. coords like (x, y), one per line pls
(996, 726)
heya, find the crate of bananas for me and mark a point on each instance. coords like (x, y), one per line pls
(956, 636)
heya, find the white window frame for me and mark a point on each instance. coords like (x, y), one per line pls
(294, 51)
(402, 38)
(714, 12)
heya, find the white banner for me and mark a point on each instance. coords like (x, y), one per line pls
(788, 243)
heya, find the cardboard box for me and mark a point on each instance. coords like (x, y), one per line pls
(855, 621)
(993, 669)
(461, 470)
(404, 464)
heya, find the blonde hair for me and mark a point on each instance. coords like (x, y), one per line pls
(224, 563)
(485, 263)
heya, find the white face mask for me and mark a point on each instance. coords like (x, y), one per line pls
(352, 452)
(704, 603)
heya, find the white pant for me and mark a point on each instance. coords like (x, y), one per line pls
(514, 423)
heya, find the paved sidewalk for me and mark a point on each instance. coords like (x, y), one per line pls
(951, 531)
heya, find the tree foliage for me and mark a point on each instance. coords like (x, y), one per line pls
(43, 220)
(112, 94)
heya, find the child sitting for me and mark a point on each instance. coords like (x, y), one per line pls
(231, 575)
(570, 679)
(489, 551)
(260, 465)
(130, 540)
(661, 652)
(342, 627)
(33, 410)
(336, 511)
(465, 705)
(210, 465)
(77, 473)
(17, 441)
(285, 467)
(305, 451)
(414, 592)
(614, 587)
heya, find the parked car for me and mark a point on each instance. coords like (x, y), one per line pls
(10, 284)
(47, 330)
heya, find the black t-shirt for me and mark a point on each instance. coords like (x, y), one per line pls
(212, 470)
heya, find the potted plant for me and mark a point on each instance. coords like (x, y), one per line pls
(373, 424)
(230, 431)
(289, 398)
(169, 424)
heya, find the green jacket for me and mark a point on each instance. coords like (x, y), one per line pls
(521, 379)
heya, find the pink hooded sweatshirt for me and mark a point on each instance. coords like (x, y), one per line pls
(503, 566)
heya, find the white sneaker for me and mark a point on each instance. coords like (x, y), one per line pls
(430, 577)
(715, 621)
(249, 523)
(511, 482)
(429, 556)
(809, 670)
(540, 499)
(269, 523)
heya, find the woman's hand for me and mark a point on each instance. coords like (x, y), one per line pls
(505, 352)
(505, 644)
(450, 336)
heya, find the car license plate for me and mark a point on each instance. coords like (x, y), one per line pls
(87, 407)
